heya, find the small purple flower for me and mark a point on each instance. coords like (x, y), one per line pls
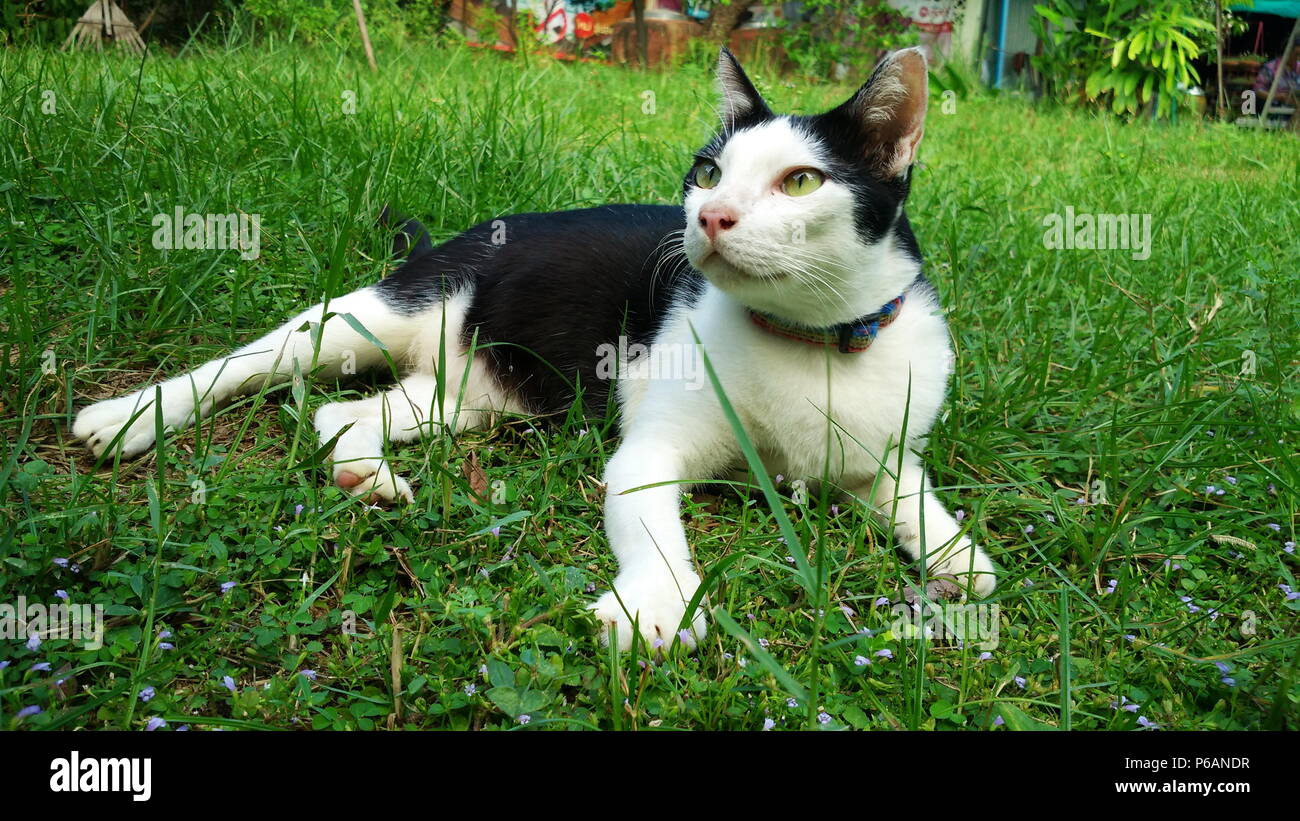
(880, 602)
(985, 656)
(768, 724)
(226, 587)
(846, 610)
(1210, 490)
(297, 510)
(1110, 587)
(185, 728)
(1143, 721)
(164, 633)
(29, 710)
(34, 641)
(4, 664)
(1289, 547)
(1232, 480)
(61, 594)
(1020, 682)
(861, 661)
(496, 532)
(147, 693)
(684, 635)
(960, 516)
(61, 562)
(792, 704)
(779, 478)
(228, 683)
(155, 723)
(835, 510)
(657, 643)
(310, 675)
(823, 718)
(525, 718)
(166, 645)
(764, 643)
(997, 721)
(885, 653)
(1229, 680)
(1274, 526)
(471, 689)
(1029, 530)
(41, 667)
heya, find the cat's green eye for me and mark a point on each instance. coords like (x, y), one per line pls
(801, 182)
(707, 175)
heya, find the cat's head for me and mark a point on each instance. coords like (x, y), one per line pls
(802, 216)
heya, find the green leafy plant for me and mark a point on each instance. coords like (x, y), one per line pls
(838, 33)
(1134, 53)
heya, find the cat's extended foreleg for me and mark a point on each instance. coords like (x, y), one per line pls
(268, 361)
(925, 529)
(656, 577)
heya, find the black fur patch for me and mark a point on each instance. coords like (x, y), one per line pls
(553, 289)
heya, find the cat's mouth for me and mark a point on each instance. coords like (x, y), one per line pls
(719, 266)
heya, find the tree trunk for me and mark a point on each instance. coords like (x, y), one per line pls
(724, 19)
(642, 35)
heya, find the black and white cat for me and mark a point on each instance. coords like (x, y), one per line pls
(792, 261)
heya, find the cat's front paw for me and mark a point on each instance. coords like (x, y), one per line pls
(970, 565)
(657, 602)
(97, 425)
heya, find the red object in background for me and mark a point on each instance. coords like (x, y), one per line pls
(584, 26)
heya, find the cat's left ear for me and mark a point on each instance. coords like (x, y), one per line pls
(890, 110)
(739, 97)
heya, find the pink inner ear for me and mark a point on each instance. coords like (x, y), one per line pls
(904, 124)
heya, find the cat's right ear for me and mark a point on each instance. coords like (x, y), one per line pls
(739, 97)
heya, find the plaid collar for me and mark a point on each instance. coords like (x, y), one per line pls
(849, 337)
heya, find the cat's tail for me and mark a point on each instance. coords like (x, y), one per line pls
(410, 237)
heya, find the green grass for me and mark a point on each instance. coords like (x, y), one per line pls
(1073, 367)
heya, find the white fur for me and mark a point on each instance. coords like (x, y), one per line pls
(404, 413)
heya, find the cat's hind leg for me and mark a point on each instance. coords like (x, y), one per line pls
(129, 421)
(416, 407)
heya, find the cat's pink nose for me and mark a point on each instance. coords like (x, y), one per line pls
(715, 219)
